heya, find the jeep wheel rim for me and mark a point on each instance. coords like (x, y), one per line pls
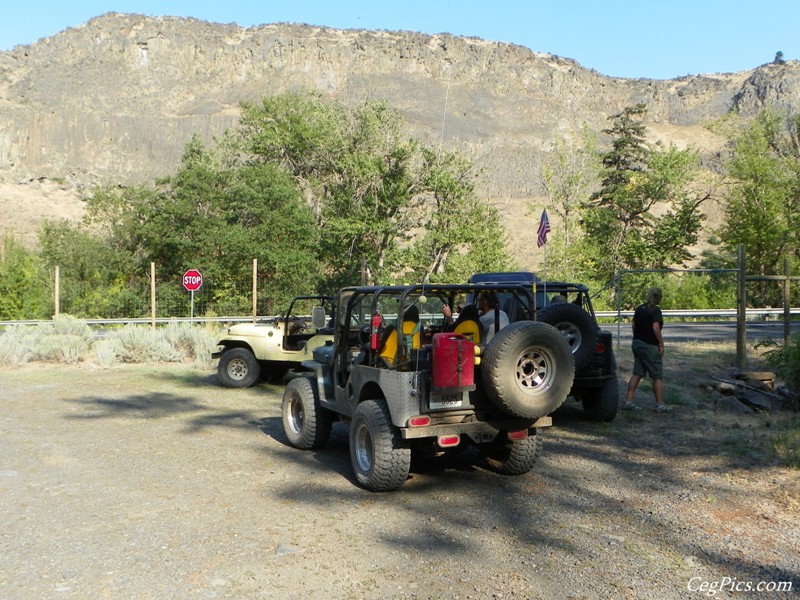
(296, 415)
(572, 334)
(535, 370)
(363, 448)
(237, 369)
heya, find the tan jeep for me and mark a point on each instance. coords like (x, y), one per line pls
(269, 349)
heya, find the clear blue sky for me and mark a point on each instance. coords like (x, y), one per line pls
(660, 39)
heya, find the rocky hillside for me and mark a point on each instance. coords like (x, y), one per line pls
(115, 99)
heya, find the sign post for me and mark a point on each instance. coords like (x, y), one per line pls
(192, 281)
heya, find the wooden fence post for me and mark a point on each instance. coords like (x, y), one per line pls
(255, 289)
(741, 315)
(57, 295)
(787, 299)
(153, 295)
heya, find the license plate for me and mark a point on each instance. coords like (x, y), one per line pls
(446, 400)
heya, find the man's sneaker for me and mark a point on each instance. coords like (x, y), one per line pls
(630, 406)
(663, 408)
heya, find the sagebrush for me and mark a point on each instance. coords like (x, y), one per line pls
(68, 340)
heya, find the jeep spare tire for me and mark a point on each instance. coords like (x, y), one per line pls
(576, 325)
(528, 369)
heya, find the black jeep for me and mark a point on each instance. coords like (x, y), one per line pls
(568, 307)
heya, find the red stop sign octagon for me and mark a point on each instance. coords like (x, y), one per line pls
(192, 280)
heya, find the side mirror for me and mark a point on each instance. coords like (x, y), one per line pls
(318, 317)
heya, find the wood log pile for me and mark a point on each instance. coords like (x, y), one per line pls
(750, 392)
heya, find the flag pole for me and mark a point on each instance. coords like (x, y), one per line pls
(541, 240)
(545, 275)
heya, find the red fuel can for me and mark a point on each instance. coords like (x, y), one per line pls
(453, 363)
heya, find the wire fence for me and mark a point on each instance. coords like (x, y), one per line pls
(147, 297)
(139, 297)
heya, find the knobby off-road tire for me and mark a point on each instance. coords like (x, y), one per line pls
(576, 325)
(305, 422)
(379, 462)
(238, 368)
(601, 404)
(512, 458)
(528, 369)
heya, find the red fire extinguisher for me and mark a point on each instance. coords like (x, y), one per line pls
(377, 321)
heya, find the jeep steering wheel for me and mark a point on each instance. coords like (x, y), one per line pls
(364, 337)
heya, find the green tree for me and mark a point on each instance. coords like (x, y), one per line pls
(24, 287)
(763, 199)
(97, 279)
(461, 235)
(218, 218)
(639, 182)
(569, 176)
(374, 189)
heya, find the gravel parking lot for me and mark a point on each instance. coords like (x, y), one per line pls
(154, 482)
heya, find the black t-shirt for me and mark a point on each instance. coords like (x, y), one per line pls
(643, 319)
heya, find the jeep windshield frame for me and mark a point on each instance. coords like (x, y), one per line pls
(326, 302)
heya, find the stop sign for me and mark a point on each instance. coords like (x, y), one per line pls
(192, 280)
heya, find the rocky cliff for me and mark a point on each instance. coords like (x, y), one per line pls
(115, 99)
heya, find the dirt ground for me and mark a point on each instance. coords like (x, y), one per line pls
(154, 482)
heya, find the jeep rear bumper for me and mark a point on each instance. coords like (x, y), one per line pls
(476, 429)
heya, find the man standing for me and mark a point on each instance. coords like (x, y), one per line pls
(648, 350)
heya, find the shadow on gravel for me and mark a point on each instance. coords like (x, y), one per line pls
(332, 459)
(565, 506)
(580, 492)
(138, 406)
(159, 405)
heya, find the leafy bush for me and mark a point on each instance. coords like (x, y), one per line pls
(69, 340)
(785, 360)
(682, 290)
(105, 352)
(64, 339)
(193, 342)
(67, 348)
(24, 290)
(137, 344)
(698, 291)
(15, 348)
(69, 325)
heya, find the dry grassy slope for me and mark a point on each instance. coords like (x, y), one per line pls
(115, 100)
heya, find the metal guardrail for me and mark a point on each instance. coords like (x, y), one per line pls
(147, 320)
(725, 313)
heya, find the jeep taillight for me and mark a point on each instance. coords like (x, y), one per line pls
(600, 348)
(421, 421)
(448, 441)
(518, 435)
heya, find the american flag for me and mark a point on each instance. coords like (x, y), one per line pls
(544, 229)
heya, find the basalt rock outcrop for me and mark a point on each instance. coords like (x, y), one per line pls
(116, 99)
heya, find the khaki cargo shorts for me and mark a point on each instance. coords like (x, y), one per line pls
(646, 360)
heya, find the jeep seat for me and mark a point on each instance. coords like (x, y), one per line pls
(389, 345)
(387, 349)
(468, 324)
(411, 328)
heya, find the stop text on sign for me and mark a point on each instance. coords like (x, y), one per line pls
(192, 280)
